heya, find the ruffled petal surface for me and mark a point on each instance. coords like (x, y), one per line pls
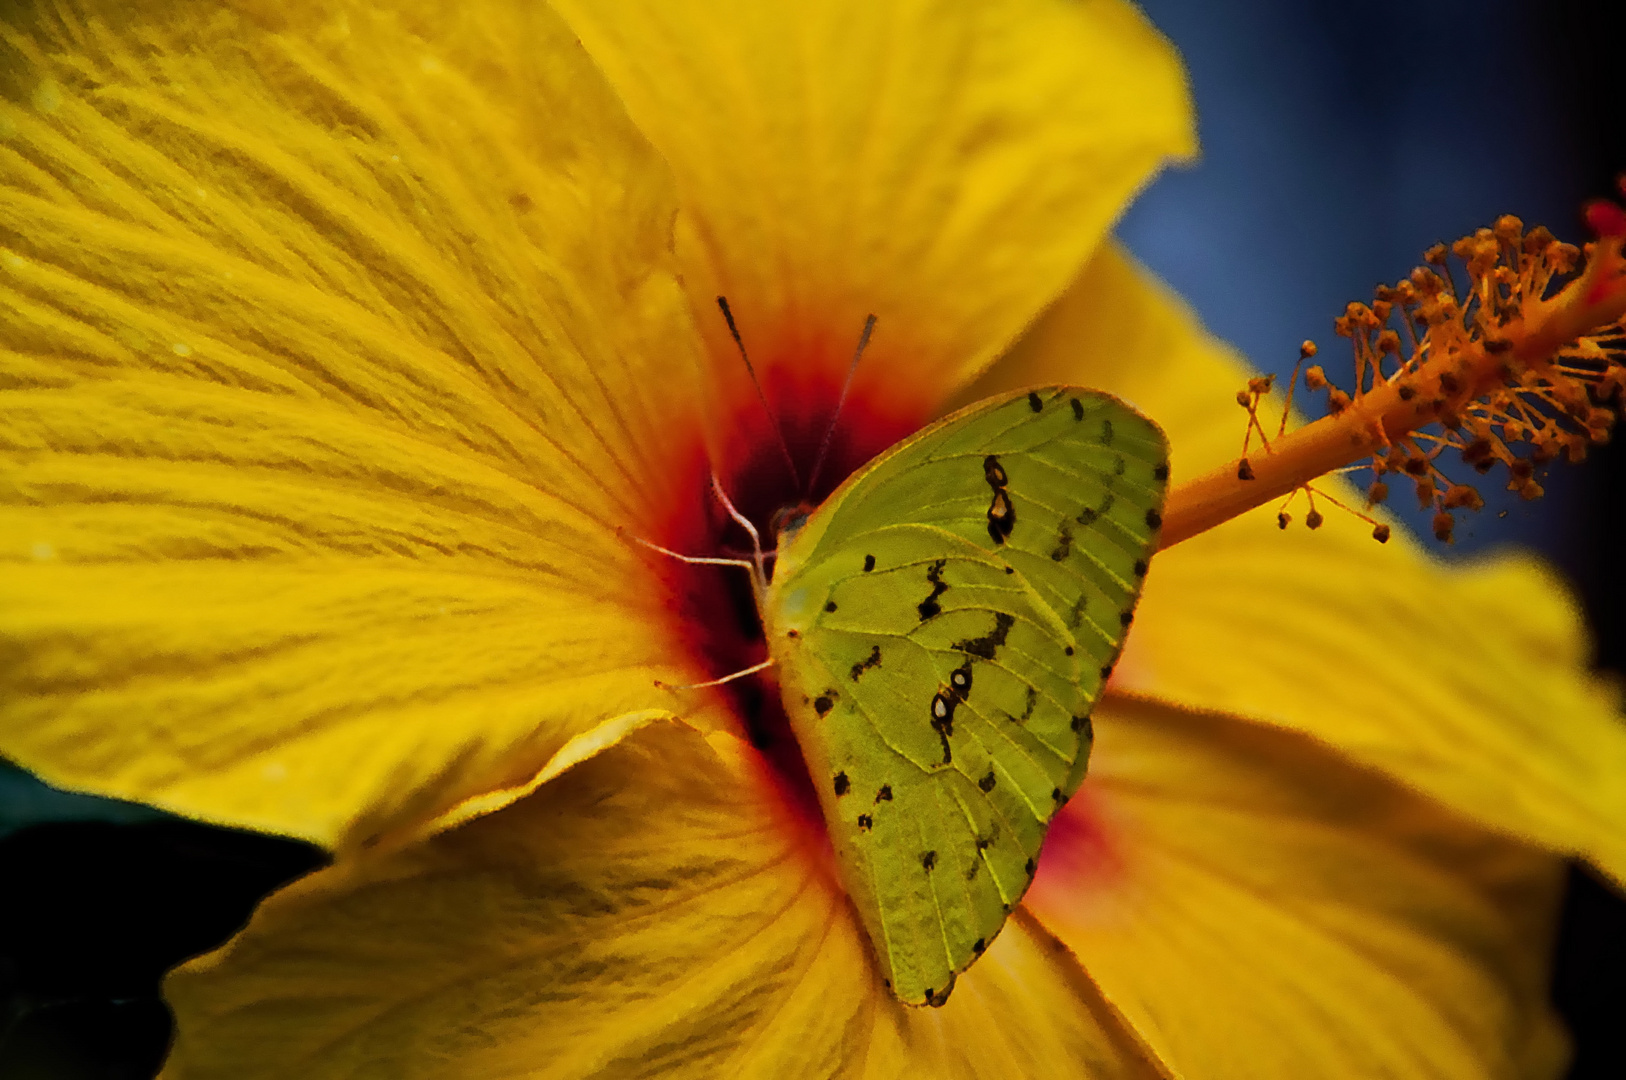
(658, 910)
(1260, 909)
(947, 166)
(1468, 682)
(329, 344)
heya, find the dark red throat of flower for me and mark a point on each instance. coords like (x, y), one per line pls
(715, 615)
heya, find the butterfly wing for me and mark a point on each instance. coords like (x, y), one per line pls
(943, 624)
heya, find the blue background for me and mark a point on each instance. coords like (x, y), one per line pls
(1339, 141)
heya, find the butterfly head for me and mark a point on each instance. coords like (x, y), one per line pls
(787, 521)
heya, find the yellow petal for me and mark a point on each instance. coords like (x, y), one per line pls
(1468, 682)
(1258, 908)
(328, 357)
(658, 910)
(947, 166)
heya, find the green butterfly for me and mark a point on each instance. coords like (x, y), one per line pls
(942, 626)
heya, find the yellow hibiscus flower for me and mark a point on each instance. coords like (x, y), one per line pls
(340, 343)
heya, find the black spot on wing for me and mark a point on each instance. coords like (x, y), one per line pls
(870, 661)
(1154, 519)
(1082, 723)
(987, 782)
(980, 944)
(869, 563)
(829, 605)
(1088, 515)
(994, 472)
(1161, 473)
(841, 784)
(1141, 567)
(929, 861)
(1064, 543)
(990, 642)
(1078, 409)
(1033, 702)
(1075, 617)
(1107, 433)
(1034, 402)
(929, 607)
(865, 822)
(943, 706)
(1001, 516)
(1001, 511)
(885, 794)
(823, 703)
(960, 681)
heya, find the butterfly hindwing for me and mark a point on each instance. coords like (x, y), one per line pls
(943, 625)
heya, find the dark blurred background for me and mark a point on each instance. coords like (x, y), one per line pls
(1339, 140)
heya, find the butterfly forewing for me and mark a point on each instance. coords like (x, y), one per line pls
(943, 625)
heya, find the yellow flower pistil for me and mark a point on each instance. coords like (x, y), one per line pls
(1479, 368)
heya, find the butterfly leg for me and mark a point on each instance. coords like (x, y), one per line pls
(752, 566)
(752, 670)
(698, 560)
(759, 575)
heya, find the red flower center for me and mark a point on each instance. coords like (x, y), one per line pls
(714, 616)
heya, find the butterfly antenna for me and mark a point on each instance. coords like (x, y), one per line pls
(779, 432)
(829, 432)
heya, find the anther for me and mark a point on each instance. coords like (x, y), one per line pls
(1460, 496)
(1476, 451)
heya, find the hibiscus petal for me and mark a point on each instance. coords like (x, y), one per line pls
(1468, 682)
(1258, 908)
(657, 910)
(947, 166)
(328, 368)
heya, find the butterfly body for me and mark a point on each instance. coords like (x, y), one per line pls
(942, 626)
